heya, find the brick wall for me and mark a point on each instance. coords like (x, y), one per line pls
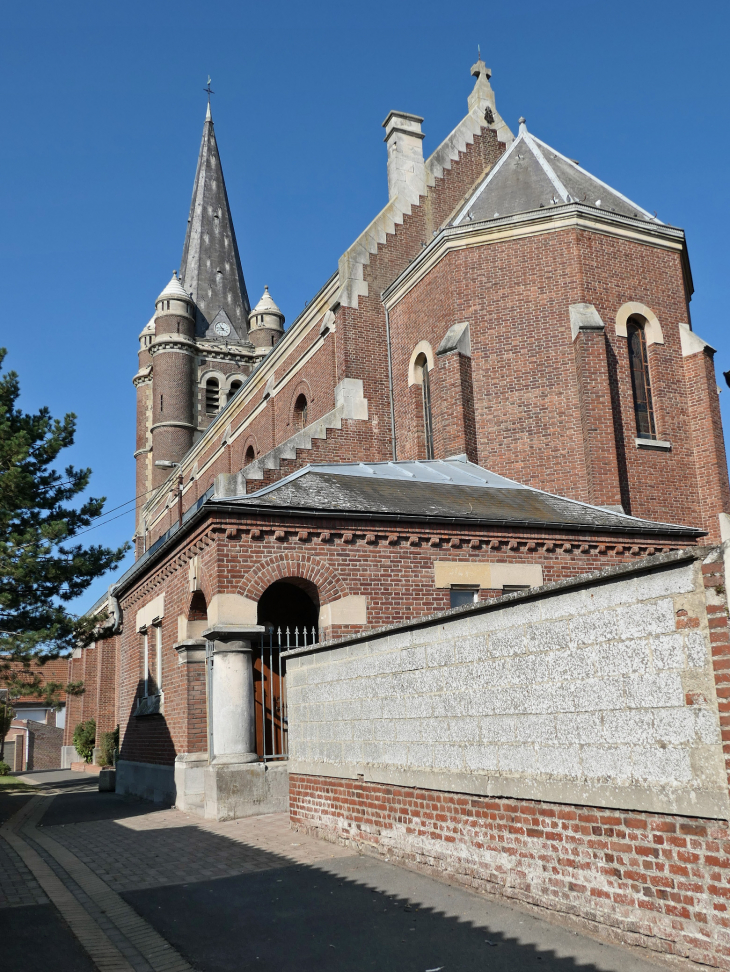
(96, 666)
(559, 415)
(650, 880)
(40, 745)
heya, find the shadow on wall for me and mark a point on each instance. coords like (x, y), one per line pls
(147, 740)
(258, 910)
(618, 429)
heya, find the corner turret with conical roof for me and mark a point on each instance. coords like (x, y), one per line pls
(266, 323)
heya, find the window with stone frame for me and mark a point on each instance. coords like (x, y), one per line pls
(301, 409)
(151, 681)
(640, 379)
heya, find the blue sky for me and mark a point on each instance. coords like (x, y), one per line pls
(105, 110)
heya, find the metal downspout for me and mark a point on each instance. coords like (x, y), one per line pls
(390, 383)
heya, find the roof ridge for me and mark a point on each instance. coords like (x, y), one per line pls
(650, 216)
(547, 168)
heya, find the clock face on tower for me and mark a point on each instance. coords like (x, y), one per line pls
(222, 329)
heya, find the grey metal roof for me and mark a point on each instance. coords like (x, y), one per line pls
(211, 267)
(450, 489)
(531, 175)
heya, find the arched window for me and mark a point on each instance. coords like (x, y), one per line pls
(421, 369)
(198, 610)
(300, 411)
(235, 385)
(250, 456)
(212, 396)
(640, 380)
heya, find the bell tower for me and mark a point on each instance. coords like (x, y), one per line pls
(196, 350)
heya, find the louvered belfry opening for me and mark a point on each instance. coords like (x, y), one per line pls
(640, 380)
(212, 396)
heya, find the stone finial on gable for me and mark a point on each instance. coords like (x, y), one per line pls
(482, 96)
(482, 103)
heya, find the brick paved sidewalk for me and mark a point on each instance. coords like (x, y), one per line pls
(150, 890)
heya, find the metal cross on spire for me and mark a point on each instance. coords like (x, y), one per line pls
(209, 89)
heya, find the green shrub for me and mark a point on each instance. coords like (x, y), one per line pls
(108, 746)
(4, 769)
(85, 738)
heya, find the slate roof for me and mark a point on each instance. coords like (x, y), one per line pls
(447, 490)
(211, 266)
(531, 175)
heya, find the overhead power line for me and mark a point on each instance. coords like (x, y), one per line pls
(90, 528)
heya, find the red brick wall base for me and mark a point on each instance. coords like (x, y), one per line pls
(644, 879)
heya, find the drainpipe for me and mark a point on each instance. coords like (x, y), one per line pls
(390, 382)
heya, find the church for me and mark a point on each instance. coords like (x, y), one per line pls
(498, 389)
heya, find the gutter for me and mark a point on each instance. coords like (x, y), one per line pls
(440, 518)
(156, 551)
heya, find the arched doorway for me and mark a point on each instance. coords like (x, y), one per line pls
(293, 605)
(289, 612)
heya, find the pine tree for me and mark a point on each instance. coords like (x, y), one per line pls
(41, 569)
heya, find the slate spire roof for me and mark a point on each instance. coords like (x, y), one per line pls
(531, 175)
(211, 267)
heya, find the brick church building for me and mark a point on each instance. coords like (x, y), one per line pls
(498, 388)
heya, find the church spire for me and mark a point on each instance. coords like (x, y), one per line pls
(211, 267)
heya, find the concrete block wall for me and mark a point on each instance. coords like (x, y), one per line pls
(565, 748)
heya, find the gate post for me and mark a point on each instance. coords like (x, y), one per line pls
(237, 783)
(231, 720)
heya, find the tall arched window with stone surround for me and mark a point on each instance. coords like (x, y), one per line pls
(640, 379)
(421, 367)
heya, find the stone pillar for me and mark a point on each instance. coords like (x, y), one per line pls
(406, 168)
(232, 706)
(237, 784)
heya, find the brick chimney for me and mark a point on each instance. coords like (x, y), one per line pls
(406, 171)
